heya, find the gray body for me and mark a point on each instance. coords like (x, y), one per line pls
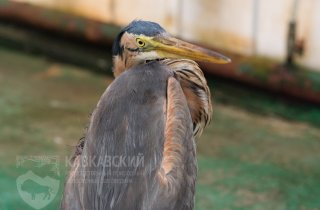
(130, 122)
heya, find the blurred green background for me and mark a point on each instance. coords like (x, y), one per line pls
(260, 151)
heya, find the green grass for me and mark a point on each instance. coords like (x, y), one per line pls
(243, 185)
(258, 152)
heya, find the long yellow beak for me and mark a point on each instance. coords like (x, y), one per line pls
(170, 47)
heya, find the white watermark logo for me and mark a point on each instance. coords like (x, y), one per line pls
(38, 190)
(39, 184)
(98, 169)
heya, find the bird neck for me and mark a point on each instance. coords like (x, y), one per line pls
(126, 61)
(119, 65)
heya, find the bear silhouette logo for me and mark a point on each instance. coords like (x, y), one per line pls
(34, 188)
(36, 191)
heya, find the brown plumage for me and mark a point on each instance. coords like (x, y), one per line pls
(196, 91)
(153, 110)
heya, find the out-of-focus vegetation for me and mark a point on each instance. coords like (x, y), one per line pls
(259, 152)
(264, 103)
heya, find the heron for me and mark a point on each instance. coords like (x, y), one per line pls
(139, 150)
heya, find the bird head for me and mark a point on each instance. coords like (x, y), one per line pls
(143, 41)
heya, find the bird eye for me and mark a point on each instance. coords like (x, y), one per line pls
(140, 42)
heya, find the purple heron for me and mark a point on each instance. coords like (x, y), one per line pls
(139, 149)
